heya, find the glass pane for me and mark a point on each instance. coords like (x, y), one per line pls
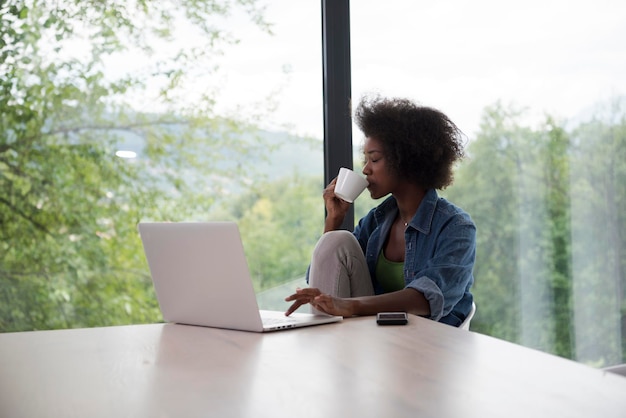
(168, 111)
(539, 91)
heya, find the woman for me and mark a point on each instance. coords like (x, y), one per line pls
(414, 252)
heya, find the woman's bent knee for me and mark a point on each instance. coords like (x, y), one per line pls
(333, 242)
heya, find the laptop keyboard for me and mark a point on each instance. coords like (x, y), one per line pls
(277, 321)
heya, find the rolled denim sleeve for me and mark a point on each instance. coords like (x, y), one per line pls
(444, 276)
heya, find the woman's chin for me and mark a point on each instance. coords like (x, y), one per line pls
(373, 194)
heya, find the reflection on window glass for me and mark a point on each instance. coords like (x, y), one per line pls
(539, 91)
(116, 113)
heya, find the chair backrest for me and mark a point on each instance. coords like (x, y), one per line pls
(617, 369)
(466, 323)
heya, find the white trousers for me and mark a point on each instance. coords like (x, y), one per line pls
(338, 266)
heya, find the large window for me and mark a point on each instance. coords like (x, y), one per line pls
(112, 114)
(538, 88)
(116, 113)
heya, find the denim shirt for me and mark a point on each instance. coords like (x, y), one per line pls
(439, 253)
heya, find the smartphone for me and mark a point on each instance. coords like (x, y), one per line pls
(392, 318)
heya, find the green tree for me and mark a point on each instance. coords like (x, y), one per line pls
(280, 223)
(598, 161)
(69, 250)
(557, 175)
(549, 208)
(486, 186)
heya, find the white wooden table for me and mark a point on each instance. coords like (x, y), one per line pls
(349, 369)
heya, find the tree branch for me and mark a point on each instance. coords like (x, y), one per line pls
(25, 216)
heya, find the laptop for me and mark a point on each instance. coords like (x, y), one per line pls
(201, 277)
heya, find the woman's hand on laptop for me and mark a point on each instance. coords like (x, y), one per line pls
(322, 302)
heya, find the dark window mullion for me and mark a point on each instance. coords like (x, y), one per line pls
(337, 92)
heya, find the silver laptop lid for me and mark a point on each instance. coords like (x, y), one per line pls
(200, 274)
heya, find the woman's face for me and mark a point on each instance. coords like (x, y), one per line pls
(381, 181)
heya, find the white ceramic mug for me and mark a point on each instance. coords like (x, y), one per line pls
(349, 185)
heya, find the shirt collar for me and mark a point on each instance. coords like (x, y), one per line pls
(423, 219)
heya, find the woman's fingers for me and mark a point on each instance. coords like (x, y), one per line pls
(301, 297)
(332, 305)
(294, 306)
(306, 293)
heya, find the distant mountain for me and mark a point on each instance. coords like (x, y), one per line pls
(292, 154)
(280, 153)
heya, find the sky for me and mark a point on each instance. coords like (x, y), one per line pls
(550, 56)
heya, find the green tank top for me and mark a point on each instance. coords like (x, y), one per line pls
(389, 274)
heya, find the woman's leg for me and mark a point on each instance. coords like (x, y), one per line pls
(338, 266)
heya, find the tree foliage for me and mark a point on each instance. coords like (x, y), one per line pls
(69, 250)
(279, 229)
(548, 203)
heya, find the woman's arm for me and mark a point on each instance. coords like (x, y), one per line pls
(336, 208)
(405, 300)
